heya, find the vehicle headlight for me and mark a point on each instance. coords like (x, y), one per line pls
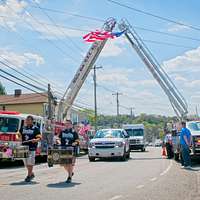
(91, 145)
(119, 144)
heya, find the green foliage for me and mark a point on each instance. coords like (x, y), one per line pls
(2, 89)
(154, 124)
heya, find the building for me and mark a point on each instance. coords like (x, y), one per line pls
(33, 103)
(37, 104)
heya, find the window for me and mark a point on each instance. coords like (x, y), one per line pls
(135, 132)
(109, 134)
(8, 124)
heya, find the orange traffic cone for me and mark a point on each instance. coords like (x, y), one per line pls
(164, 154)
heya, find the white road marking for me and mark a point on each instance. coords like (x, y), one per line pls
(168, 168)
(140, 186)
(153, 179)
(116, 197)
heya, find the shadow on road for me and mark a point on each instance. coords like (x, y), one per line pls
(62, 185)
(21, 183)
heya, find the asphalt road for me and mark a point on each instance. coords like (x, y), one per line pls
(146, 176)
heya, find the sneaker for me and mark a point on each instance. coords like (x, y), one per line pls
(32, 176)
(27, 179)
(69, 180)
(188, 167)
(182, 166)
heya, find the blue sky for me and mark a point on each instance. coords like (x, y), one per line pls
(44, 50)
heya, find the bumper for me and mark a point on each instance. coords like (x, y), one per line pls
(106, 153)
(136, 146)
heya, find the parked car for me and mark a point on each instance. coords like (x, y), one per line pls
(109, 143)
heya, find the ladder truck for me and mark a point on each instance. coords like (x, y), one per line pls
(177, 101)
(82, 73)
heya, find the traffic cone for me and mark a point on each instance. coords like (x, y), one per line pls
(164, 154)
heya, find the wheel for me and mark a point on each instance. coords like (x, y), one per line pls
(128, 154)
(50, 164)
(123, 158)
(91, 159)
(143, 149)
(176, 157)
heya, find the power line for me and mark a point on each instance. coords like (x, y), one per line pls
(51, 42)
(71, 14)
(168, 34)
(21, 85)
(36, 87)
(53, 21)
(154, 15)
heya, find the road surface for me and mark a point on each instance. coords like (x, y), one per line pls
(146, 176)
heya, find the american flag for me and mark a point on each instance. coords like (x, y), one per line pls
(101, 35)
(97, 36)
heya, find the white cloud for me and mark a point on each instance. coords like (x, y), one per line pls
(20, 60)
(11, 9)
(188, 62)
(113, 47)
(177, 28)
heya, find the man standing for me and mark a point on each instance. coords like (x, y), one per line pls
(30, 137)
(69, 138)
(185, 142)
(168, 143)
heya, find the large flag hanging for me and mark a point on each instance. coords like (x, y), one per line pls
(101, 35)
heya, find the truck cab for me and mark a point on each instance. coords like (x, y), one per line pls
(136, 136)
(194, 127)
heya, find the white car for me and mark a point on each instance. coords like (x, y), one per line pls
(108, 143)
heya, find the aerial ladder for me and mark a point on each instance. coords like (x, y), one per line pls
(177, 101)
(82, 73)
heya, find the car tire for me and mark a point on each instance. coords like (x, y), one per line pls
(143, 149)
(176, 157)
(123, 158)
(91, 159)
(128, 154)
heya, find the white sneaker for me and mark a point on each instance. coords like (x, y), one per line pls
(188, 167)
(182, 167)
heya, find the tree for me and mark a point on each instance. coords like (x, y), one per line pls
(2, 89)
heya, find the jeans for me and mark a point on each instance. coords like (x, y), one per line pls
(185, 152)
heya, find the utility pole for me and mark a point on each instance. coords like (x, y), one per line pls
(95, 95)
(49, 102)
(117, 99)
(132, 113)
(197, 113)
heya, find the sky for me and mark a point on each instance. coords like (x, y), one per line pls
(32, 41)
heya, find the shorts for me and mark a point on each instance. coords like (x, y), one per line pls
(30, 160)
(69, 161)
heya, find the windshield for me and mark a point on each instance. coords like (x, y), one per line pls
(109, 134)
(135, 132)
(194, 126)
(9, 124)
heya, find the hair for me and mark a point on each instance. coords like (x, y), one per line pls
(30, 117)
(183, 123)
(68, 120)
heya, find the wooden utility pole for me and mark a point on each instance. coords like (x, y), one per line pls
(95, 95)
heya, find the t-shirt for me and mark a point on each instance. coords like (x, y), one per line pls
(184, 132)
(168, 138)
(68, 136)
(29, 133)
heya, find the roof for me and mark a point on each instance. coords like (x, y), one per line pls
(23, 99)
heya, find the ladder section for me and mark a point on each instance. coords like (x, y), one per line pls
(82, 72)
(177, 101)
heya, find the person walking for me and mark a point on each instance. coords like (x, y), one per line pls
(168, 143)
(69, 138)
(30, 137)
(185, 142)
